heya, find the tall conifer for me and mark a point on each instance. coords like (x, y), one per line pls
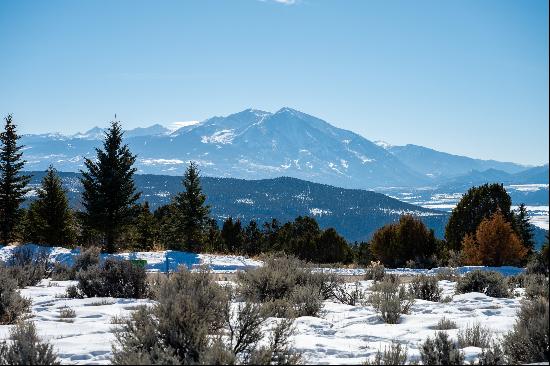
(523, 228)
(192, 211)
(13, 184)
(50, 219)
(109, 188)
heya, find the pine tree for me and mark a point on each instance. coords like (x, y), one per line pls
(192, 212)
(13, 184)
(49, 218)
(233, 235)
(253, 238)
(146, 228)
(109, 188)
(523, 228)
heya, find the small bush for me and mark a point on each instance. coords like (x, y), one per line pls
(425, 288)
(87, 258)
(66, 314)
(28, 268)
(475, 336)
(446, 299)
(12, 305)
(492, 355)
(349, 295)
(279, 350)
(445, 324)
(528, 342)
(390, 299)
(440, 351)
(287, 282)
(73, 292)
(536, 285)
(113, 278)
(488, 282)
(395, 355)
(538, 263)
(447, 274)
(62, 272)
(375, 271)
(26, 348)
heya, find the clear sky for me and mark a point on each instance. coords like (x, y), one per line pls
(466, 77)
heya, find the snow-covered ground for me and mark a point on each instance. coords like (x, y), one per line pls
(342, 335)
(156, 261)
(170, 259)
(84, 339)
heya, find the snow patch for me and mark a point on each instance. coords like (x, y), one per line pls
(219, 137)
(319, 212)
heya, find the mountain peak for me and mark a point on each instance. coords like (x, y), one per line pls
(289, 111)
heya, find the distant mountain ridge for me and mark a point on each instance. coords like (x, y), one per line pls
(355, 213)
(437, 164)
(255, 144)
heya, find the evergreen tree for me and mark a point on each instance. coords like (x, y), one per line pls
(145, 227)
(477, 204)
(49, 218)
(232, 235)
(192, 212)
(214, 241)
(409, 239)
(166, 217)
(109, 189)
(332, 248)
(523, 228)
(13, 184)
(253, 239)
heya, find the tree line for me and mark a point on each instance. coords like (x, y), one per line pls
(482, 229)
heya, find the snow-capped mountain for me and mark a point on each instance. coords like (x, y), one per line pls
(255, 144)
(250, 144)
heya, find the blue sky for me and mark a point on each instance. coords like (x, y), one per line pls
(466, 77)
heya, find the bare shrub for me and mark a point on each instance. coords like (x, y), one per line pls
(88, 257)
(12, 305)
(67, 314)
(488, 282)
(440, 351)
(445, 324)
(536, 285)
(375, 271)
(62, 272)
(349, 295)
(193, 322)
(528, 342)
(285, 281)
(493, 355)
(396, 354)
(447, 274)
(113, 278)
(26, 348)
(390, 299)
(28, 268)
(474, 336)
(425, 288)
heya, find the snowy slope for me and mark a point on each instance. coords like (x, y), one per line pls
(343, 334)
